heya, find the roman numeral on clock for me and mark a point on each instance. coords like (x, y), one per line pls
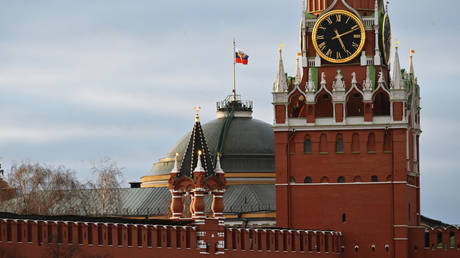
(355, 45)
(322, 46)
(338, 17)
(329, 53)
(338, 55)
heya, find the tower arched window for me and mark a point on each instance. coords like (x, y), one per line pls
(324, 179)
(355, 143)
(374, 178)
(387, 142)
(323, 144)
(307, 180)
(355, 105)
(339, 144)
(323, 106)
(381, 105)
(307, 145)
(371, 143)
(341, 179)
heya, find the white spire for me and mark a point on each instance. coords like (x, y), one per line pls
(376, 12)
(298, 76)
(175, 168)
(323, 79)
(411, 64)
(280, 84)
(218, 169)
(353, 78)
(397, 82)
(199, 167)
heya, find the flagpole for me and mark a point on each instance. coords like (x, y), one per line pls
(234, 70)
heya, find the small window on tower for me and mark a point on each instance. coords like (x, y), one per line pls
(339, 144)
(427, 239)
(387, 142)
(344, 217)
(307, 180)
(292, 179)
(323, 144)
(371, 143)
(307, 145)
(341, 179)
(374, 178)
(439, 239)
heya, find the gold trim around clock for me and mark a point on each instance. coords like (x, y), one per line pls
(385, 17)
(361, 45)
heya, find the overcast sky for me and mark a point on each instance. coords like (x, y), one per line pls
(84, 80)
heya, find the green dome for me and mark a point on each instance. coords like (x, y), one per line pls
(248, 147)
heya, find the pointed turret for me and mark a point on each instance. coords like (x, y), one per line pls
(196, 144)
(280, 84)
(218, 169)
(411, 63)
(298, 75)
(175, 169)
(199, 167)
(397, 82)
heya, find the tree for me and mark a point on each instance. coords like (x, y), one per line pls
(42, 190)
(108, 178)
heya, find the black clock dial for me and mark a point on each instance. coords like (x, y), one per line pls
(386, 38)
(338, 36)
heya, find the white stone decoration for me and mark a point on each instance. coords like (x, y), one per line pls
(298, 74)
(363, 58)
(310, 83)
(377, 56)
(317, 61)
(353, 78)
(367, 84)
(338, 84)
(280, 83)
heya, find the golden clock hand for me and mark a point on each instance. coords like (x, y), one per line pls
(345, 33)
(340, 40)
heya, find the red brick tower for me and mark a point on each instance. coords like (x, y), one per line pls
(197, 178)
(346, 133)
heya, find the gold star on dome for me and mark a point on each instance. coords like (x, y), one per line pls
(197, 116)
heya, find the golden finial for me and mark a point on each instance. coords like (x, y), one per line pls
(281, 46)
(197, 116)
(397, 43)
(412, 52)
(199, 152)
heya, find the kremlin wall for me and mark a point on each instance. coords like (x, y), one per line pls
(344, 162)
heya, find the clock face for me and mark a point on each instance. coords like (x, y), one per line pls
(386, 38)
(338, 36)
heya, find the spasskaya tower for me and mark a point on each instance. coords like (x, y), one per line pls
(347, 129)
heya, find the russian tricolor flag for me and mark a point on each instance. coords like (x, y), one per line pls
(241, 57)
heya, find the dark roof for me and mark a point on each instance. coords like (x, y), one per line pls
(156, 201)
(6, 215)
(434, 223)
(249, 146)
(197, 142)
